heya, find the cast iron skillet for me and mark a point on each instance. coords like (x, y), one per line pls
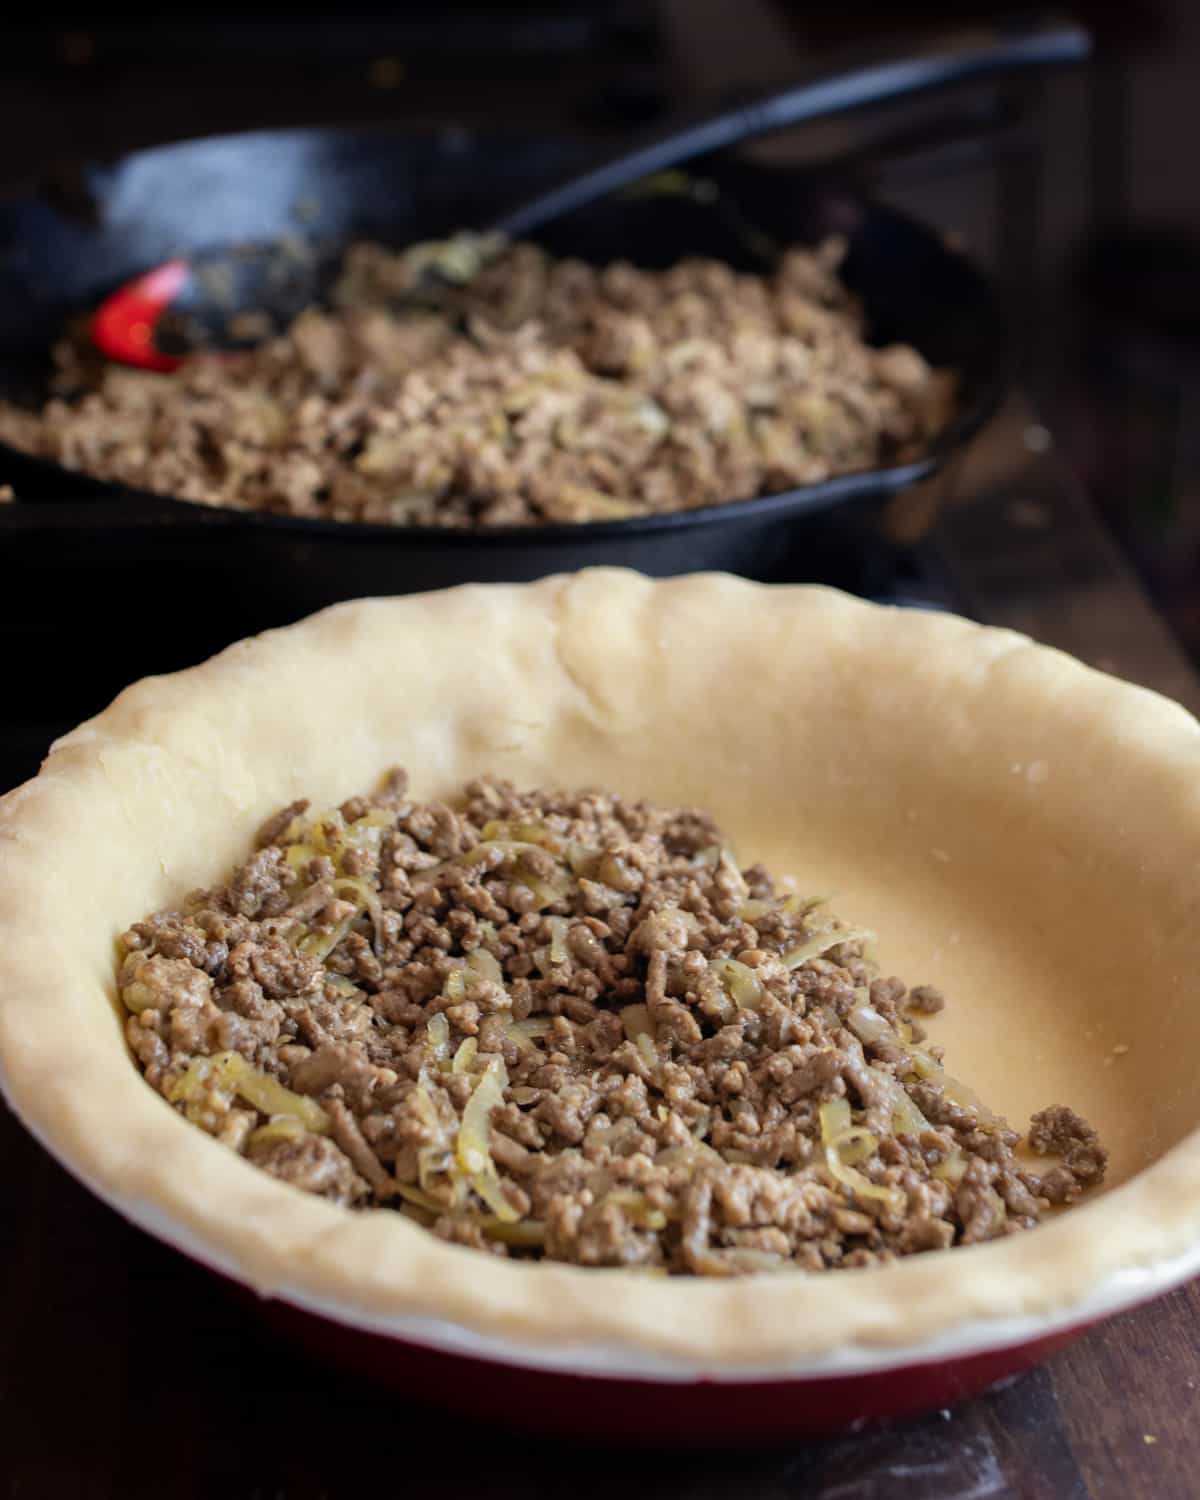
(62, 252)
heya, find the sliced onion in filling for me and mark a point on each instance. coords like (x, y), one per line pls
(740, 982)
(822, 942)
(836, 1131)
(229, 1075)
(473, 1150)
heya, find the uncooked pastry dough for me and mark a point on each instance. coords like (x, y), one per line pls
(1020, 830)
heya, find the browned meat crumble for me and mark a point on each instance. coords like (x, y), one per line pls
(570, 1026)
(528, 390)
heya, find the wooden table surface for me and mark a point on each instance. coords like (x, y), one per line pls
(128, 1373)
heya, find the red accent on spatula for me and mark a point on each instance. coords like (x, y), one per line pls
(125, 322)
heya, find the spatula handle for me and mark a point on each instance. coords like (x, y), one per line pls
(962, 57)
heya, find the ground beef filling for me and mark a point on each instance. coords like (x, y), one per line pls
(571, 1026)
(510, 388)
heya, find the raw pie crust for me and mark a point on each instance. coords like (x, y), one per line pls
(1021, 831)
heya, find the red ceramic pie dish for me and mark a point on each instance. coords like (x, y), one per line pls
(1019, 830)
(599, 1394)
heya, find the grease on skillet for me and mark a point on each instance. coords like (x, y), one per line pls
(570, 1026)
(470, 382)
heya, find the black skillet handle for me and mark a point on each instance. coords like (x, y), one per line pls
(962, 57)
